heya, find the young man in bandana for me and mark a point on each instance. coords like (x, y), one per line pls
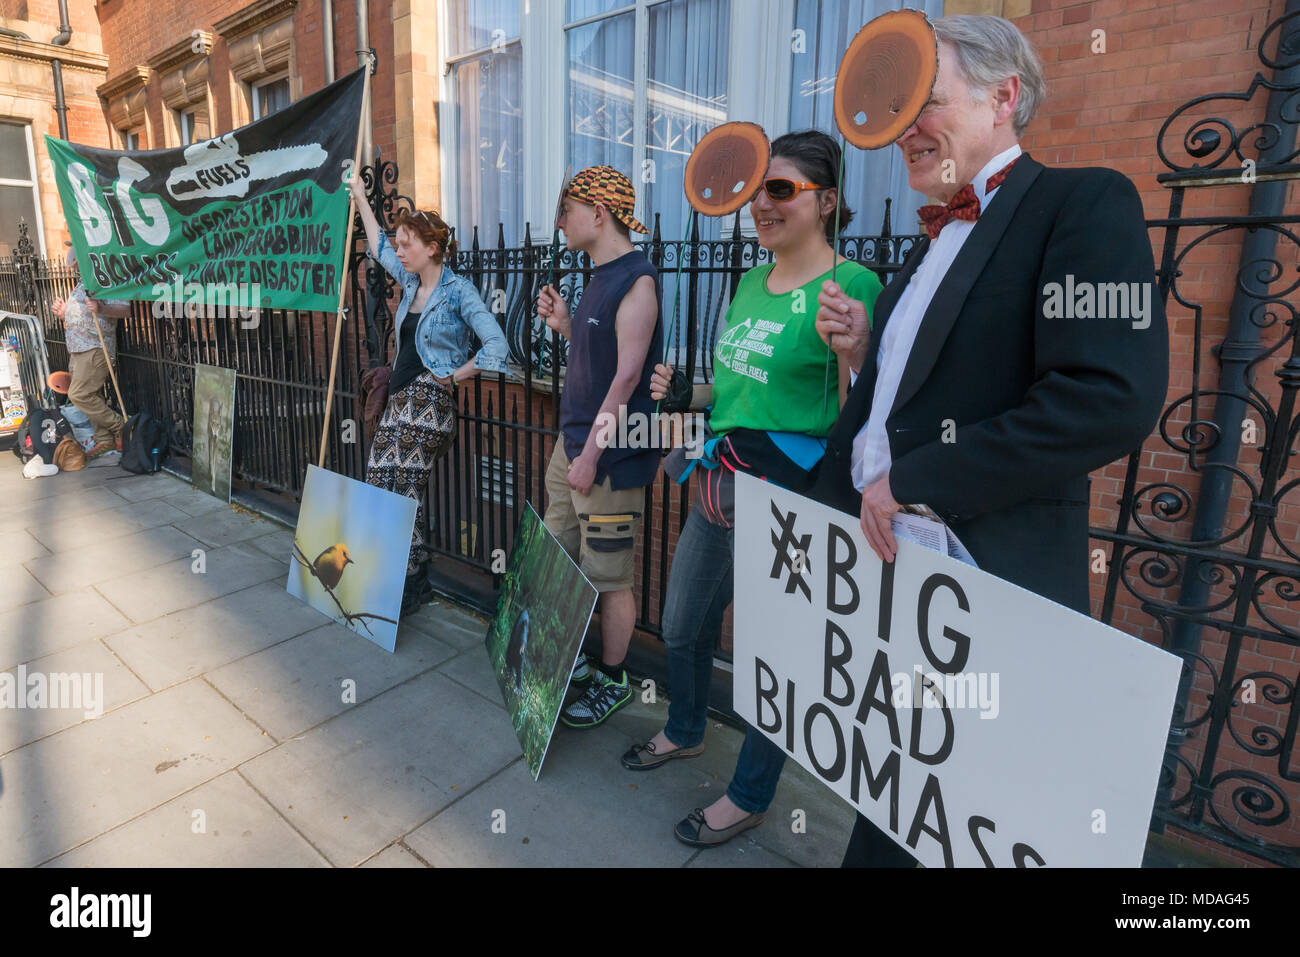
(596, 488)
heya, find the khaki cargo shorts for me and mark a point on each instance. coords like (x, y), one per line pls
(599, 529)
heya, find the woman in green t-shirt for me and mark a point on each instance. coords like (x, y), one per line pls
(773, 402)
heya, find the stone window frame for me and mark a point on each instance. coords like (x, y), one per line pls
(186, 86)
(261, 82)
(30, 182)
(261, 46)
(127, 96)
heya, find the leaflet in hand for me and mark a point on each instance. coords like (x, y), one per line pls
(932, 534)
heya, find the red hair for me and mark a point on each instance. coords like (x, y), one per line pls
(429, 228)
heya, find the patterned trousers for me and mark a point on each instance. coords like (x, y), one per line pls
(418, 425)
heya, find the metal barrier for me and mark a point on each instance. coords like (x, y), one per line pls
(23, 334)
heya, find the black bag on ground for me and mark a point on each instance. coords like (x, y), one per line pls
(40, 434)
(144, 444)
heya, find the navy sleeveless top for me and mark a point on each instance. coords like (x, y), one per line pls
(593, 360)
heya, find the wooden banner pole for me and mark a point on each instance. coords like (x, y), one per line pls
(343, 280)
(109, 359)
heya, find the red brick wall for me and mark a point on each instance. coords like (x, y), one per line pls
(81, 15)
(133, 31)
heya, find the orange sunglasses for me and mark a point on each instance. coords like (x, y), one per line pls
(782, 190)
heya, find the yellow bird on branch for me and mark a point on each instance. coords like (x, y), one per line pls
(330, 563)
(328, 569)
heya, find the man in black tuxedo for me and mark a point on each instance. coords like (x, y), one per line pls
(1021, 346)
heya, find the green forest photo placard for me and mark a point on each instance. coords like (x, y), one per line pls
(545, 606)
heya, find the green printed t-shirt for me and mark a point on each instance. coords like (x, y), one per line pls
(769, 364)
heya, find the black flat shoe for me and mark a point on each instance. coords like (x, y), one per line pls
(695, 831)
(642, 757)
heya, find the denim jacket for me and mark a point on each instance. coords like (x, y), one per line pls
(455, 307)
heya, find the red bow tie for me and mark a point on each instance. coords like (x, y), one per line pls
(965, 205)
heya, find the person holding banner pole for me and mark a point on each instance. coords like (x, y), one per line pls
(90, 327)
(975, 394)
(432, 327)
(769, 419)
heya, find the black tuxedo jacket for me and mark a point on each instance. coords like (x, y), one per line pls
(1031, 401)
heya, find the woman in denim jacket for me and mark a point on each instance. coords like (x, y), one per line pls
(434, 319)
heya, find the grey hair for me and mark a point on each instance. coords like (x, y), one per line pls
(990, 49)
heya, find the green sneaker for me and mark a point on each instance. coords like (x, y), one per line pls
(598, 702)
(583, 673)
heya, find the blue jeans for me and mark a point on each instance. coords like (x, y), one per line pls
(700, 588)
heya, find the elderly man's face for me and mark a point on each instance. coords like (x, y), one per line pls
(951, 127)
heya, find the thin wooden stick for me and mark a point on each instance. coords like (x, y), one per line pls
(343, 279)
(109, 359)
(677, 293)
(555, 234)
(835, 255)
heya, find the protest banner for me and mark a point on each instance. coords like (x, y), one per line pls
(977, 723)
(258, 214)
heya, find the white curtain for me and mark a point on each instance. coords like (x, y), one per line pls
(684, 96)
(487, 114)
(869, 176)
(601, 93)
(490, 153)
(686, 93)
(475, 24)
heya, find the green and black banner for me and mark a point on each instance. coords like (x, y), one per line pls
(261, 211)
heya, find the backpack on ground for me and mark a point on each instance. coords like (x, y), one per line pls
(40, 434)
(144, 444)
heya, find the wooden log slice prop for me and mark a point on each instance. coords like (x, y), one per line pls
(555, 225)
(885, 78)
(559, 200)
(726, 168)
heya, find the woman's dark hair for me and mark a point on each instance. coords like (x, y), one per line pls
(430, 228)
(818, 158)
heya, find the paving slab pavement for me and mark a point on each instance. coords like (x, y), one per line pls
(203, 638)
(224, 527)
(97, 561)
(68, 788)
(61, 532)
(296, 684)
(227, 738)
(223, 823)
(43, 627)
(17, 547)
(379, 770)
(108, 685)
(190, 581)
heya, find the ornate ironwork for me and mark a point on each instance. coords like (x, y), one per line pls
(385, 202)
(1206, 547)
(1209, 142)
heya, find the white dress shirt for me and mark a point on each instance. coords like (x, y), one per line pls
(871, 458)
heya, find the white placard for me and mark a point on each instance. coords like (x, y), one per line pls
(977, 723)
